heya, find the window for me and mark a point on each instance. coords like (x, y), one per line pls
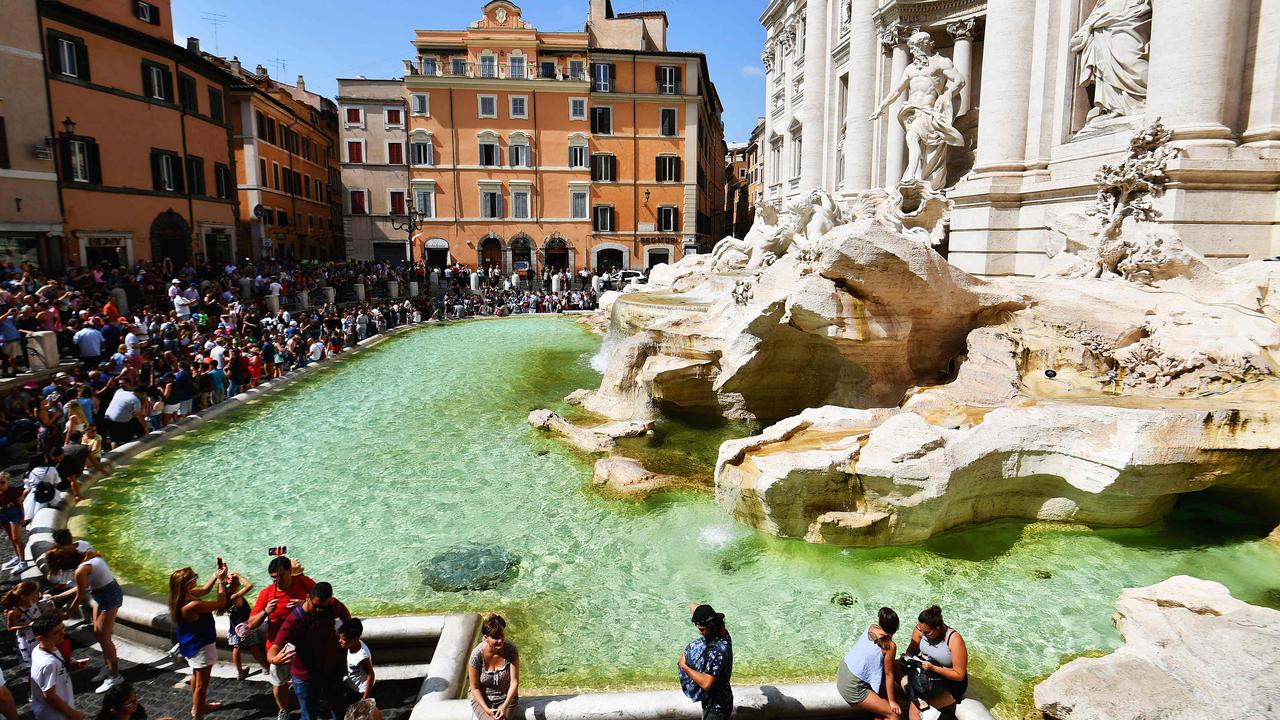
(157, 82)
(578, 205)
(668, 122)
(424, 202)
(519, 106)
(146, 12)
(222, 181)
(576, 70)
(488, 106)
(359, 202)
(166, 171)
(491, 204)
(215, 105)
(68, 56)
(306, 187)
(548, 71)
(275, 175)
(195, 175)
(668, 78)
(577, 156)
(520, 204)
(271, 130)
(422, 152)
(420, 104)
(516, 70)
(79, 152)
(355, 151)
(355, 116)
(488, 66)
(668, 219)
(602, 77)
(394, 117)
(668, 169)
(797, 149)
(319, 190)
(267, 216)
(490, 154)
(603, 218)
(577, 108)
(395, 153)
(604, 168)
(262, 125)
(458, 67)
(519, 155)
(775, 162)
(262, 172)
(602, 120)
(430, 66)
(282, 217)
(187, 93)
(396, 203)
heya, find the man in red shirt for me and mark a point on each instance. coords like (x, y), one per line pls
(308, 644)
(274, 603)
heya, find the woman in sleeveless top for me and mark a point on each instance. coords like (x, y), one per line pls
(197, 636)
(494, 673)
(948, 658)
(93, 578)
(867, 670)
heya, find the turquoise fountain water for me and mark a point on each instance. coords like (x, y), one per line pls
(394, 456)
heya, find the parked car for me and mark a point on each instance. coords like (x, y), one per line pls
(622, 278)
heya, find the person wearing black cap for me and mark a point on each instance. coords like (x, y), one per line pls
(716, 672)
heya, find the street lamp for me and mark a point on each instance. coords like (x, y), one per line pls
(407, 223)
(69, 126)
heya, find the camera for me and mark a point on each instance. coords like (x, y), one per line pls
(276, 551)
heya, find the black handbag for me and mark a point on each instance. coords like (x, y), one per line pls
(923, 683)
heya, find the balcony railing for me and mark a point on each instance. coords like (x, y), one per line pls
(495, 71)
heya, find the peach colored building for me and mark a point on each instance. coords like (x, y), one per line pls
(530, 149)
(30, 216)
(143, 141)
(286, 143)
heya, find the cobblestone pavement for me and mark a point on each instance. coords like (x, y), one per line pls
(160, 687)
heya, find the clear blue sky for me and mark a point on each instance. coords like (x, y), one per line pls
(331, 39)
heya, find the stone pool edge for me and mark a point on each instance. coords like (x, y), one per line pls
(450, 637)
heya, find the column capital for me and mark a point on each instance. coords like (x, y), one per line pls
(895, 34)
(962, 29)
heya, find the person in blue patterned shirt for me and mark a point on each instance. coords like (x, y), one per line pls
(715, 671)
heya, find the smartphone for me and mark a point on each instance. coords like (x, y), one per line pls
(221, 564)
(288, 648)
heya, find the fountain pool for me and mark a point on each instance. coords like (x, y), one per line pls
(368, 469)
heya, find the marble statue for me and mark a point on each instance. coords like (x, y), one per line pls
(930, 83)
(1112, 45)
(763, 234)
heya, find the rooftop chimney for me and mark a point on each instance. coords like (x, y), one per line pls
(235, 65)
(260, 70)
(302, 84)
(193, 44)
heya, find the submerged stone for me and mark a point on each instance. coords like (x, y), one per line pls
(470, 566)
(844, 599)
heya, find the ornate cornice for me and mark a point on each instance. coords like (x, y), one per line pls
(962, 29)
(928, 13)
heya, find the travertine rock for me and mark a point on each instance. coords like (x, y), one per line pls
(1191, 652)
(628, 477)
(599, 438)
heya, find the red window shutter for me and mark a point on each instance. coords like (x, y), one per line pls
(395, 154)
(355, 153)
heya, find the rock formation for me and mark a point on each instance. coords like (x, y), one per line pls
(629, 478)
(1191, 652)
(909, 397)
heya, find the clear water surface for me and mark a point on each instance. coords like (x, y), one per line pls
(369, 468)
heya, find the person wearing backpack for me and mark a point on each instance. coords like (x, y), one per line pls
(944, 665)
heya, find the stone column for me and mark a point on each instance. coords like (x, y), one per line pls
(121, 298)
(813, 111)
(246, 287)
(1006, 87)
(435, 277)
(1263, 129)
(1197, 60)
(359, 288)
(273, 304)
(859, 133)
(962, 58)
(304, 300)
(475, 282)
(413, 288)
(393, 289)
(895, 159)
(555, 283)
(329, 294)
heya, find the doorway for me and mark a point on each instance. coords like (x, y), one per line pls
(609, 259)
(555, 254)
(657, 257)
(491, 253)
(522, 256)
(170, 239)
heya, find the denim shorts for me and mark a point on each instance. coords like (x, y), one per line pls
(107, 597)
(11, 515)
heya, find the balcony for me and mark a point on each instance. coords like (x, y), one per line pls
(494, 71)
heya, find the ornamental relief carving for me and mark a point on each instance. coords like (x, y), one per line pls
(767, 57)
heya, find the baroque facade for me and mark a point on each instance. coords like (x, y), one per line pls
(1011, 106)
(595, 149)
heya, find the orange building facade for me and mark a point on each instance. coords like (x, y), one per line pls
(529, 150)
(143, 142)
(286, 167)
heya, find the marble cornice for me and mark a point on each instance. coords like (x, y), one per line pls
(927, 13)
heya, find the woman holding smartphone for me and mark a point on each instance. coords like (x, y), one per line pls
(197, 635)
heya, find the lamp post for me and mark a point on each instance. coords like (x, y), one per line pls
(407, 223)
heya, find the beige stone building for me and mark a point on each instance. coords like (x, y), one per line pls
(30, 214)
(375, 166)
(1053, 89)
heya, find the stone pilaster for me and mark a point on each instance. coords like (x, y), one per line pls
(1197, 61)
(812, 115)
(859, 138)
(962, 57)
(1006, 87)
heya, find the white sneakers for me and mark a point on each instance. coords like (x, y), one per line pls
(110, 682)
(14, 563)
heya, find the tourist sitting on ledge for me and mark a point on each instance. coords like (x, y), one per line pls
(493, 672)
(867, 669)
(940, 675)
